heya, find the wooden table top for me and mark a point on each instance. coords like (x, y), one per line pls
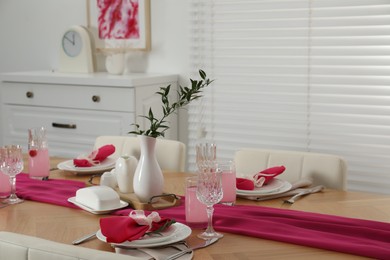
(64, 225)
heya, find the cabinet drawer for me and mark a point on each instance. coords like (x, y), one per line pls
(69, 96)
(69, 131)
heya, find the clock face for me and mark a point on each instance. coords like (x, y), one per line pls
(72, 43)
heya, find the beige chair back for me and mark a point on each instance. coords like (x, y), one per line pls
(171, 154)
(325, 169)
(15, 246)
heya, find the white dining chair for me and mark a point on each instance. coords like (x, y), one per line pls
(325, 169)
(14, 246)
(171, 154)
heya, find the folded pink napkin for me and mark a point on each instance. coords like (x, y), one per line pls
(265, 176)
(96, 157)
(119, 229)
(260, 178)
(348, 235)
(53, 191)
(244, 184)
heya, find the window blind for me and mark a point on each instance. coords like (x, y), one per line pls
(307, 75)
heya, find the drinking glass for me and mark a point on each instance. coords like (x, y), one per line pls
(11, 163)
(196, 213)
(228, 171)
(38, 154)
(5, 185)
(209, 192)
(206, 155)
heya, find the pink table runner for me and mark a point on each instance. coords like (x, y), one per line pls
(53, 191)
(348, 235)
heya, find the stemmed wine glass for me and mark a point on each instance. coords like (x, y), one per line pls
(209, 192)
(11, 163)
(206, 155)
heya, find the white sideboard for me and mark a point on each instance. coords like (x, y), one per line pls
(76, 108)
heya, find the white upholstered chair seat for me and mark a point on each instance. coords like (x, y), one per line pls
(325, 169)
(171, 154)
(15, 246)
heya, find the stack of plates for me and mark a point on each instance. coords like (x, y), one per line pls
(276, 186)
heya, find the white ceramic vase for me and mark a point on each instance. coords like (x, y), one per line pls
(148, 177)
(124, 170)
(115, 63)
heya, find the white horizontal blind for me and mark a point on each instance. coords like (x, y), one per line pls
(296, 75)
(350, 88)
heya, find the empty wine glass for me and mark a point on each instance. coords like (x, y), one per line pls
(11, 163)
(209, 192)
(206, 155)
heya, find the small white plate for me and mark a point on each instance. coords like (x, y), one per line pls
(97, 212)
(179, 233)
(105, 165)
(276, 186)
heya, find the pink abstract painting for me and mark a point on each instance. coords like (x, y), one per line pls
(118, 19)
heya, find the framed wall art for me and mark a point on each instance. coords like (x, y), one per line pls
(119, 25)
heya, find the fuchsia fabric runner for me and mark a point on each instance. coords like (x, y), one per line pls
(348, 235)
(53, 191)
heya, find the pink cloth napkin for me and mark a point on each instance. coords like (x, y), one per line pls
(259, 179)
(265, 176)
(347, 235)
(119, 229)
(53, 191)
(96, 157)
(244, 184)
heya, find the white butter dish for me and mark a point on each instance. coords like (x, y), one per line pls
(98, 198)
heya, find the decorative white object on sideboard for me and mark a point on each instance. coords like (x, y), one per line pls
(76, 108)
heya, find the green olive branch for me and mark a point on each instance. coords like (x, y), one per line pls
(185, 96)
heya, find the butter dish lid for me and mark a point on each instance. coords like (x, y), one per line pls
(98, 197)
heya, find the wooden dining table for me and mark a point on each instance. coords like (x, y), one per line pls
(63, 224)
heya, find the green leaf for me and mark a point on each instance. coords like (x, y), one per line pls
(185, 96)
(202, 74)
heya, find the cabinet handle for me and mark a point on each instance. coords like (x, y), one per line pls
(29, 94)
(96, 98)
(68, 126)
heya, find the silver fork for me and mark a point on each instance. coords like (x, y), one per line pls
(305, 192)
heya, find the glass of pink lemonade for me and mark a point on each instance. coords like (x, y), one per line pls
(228, 170)
(5, 185)
(38, 154)
(196, 214)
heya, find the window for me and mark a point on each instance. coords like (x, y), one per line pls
(308, 75)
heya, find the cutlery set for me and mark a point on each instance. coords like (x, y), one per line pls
(304, 192)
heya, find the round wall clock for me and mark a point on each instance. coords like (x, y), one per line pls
(76, 51)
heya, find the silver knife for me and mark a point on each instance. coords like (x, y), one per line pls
(84, 238)
(192, 248)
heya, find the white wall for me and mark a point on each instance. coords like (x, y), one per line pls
(30, 32)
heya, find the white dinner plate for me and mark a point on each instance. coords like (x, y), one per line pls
(179, 232)
(276, 186)
(94, 211)
(105, 165)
